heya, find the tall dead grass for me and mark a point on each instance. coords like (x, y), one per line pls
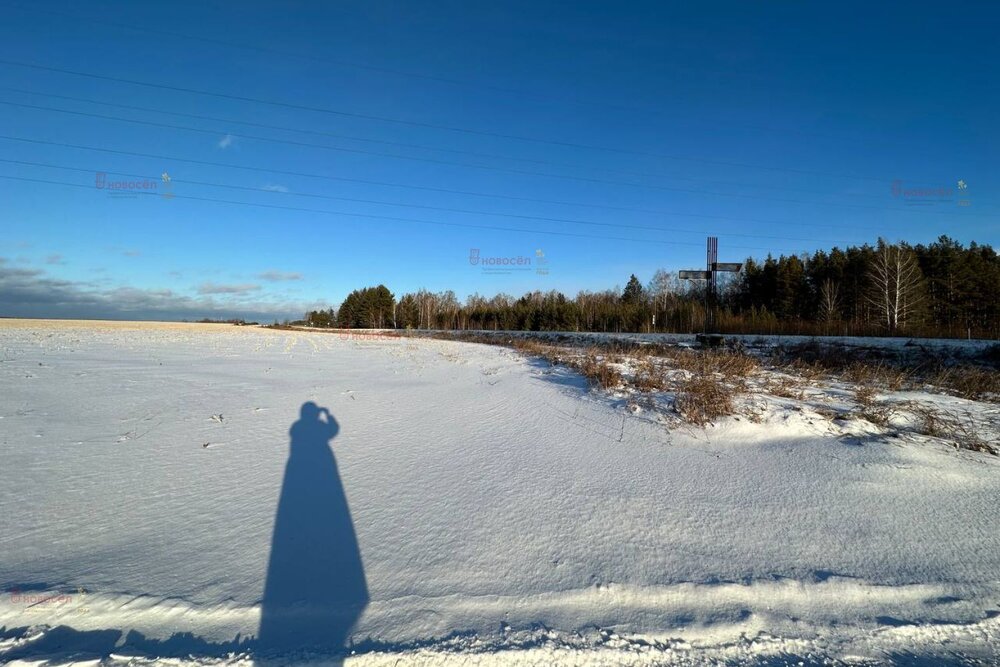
(600, 372)
(958, 429)
(702, 399)
(974, 377)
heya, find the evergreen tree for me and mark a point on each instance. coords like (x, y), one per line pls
(633, 291)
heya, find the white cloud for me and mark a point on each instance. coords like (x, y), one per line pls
(277, 276)
(215, 288)
(226, 141)
(271, 187)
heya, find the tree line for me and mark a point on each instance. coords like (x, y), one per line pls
(940, 289)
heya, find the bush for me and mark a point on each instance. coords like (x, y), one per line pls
(649, 378)
(600, 372)
(702, 399)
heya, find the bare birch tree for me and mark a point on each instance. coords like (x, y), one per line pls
(895, 285)
(829, 301)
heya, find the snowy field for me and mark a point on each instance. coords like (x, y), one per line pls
(483, 508)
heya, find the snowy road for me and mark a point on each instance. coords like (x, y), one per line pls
(496, 503)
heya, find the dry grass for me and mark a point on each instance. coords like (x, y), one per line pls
(648, 377)
(600, 372)
(754, 410)
(595, 367)
(875, 374)
(707, 362)
(828, 413)
(715, 377)
(703, 399)
(809, 370)
(864, 396)
(930, 421)
(975, 378)
(528, 346)
(965, 435)
(877, 412)
(960, 430)
(785, 387)
(969, 382)
(533, 348)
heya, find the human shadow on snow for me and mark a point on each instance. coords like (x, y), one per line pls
(314, 592)
(315, 589)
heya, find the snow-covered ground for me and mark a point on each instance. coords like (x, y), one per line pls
(483, 508)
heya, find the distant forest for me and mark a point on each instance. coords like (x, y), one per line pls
(938, 290)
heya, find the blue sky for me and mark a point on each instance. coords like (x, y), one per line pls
(779, 127)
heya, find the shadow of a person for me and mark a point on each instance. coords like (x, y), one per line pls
(315, 589)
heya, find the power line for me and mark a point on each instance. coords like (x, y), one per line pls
(370, 216)
(427, 77)
(268, 170)
(699, 232)
(298, 130)
(522, 172)
(291, 54)
(413, 123)
(393, 143)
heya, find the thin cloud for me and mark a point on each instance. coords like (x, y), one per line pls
(55, 258)
(32, 293)
(278, 276)
(226, 141)
(132, 253)
(215, 288)
(273, 187)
